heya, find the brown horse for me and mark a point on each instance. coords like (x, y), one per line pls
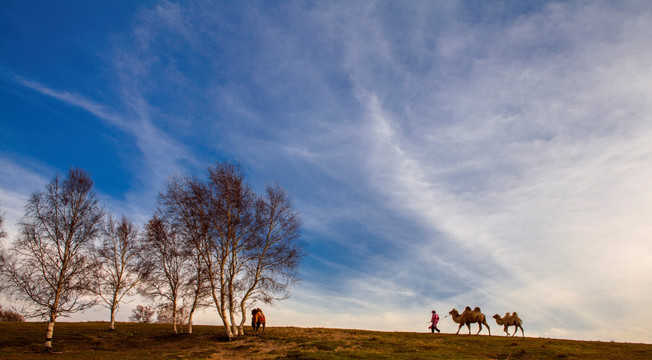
(257, 319)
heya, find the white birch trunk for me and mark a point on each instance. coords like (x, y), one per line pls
(227, 326)
(114, 307)
(234, 326)
(219, 305)
(174, 316)
(190, 321)
(112, 326)
(225, 320)
(48, 336)
(244, 319)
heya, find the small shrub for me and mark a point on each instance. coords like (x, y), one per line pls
(10, 316)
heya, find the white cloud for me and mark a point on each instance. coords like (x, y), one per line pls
(161, 154)
(17, 182)
(550, 165)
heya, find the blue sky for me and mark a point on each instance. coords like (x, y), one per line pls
(440, 153)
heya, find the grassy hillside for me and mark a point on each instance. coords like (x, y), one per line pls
(155, 341)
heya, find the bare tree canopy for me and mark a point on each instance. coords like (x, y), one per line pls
(275, 252)
(164, 259)
(249, 245)
(3, 234)
(164, 314)
(50, 266)
(118, 270)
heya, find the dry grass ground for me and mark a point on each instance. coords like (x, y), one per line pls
(155, 341)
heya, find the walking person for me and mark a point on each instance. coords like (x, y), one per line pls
(434, 320)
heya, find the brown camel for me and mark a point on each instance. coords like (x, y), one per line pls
(510, 320)
(469, 316)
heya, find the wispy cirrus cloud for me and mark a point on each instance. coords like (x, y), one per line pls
(76, 100)
(518, 164)
(161, 155)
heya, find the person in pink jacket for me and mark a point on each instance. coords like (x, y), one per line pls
(434, 320)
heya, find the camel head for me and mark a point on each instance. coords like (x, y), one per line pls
(454, 312)
(496, 316)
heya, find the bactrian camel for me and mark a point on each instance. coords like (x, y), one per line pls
(510, 320)
(469, 316)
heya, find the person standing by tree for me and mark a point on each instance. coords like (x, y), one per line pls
(50, 266)
(434, 320)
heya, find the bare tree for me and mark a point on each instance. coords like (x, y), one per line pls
(119, 270)
(49, 266)
(164, 314)
(234, 228)
(275, 252)
(3, 235)
(196, 290)
(142, 314)
(164, 259)
(175, 204)
(249, 245)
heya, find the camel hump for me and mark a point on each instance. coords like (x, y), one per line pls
(514, 313)
(477, 308)
(468, 308)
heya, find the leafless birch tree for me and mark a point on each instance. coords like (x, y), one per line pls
(164, 259)
(49, 266)
(3, 235)
(273, 257)
(119, 270)
(183, 204)
(234, 226)
(249, 245)
(164, 314)
(196, 290)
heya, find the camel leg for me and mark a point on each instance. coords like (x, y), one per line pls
(506, 329)
(488, 328)
(479, 328)
(458, 328)
(468, 326)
